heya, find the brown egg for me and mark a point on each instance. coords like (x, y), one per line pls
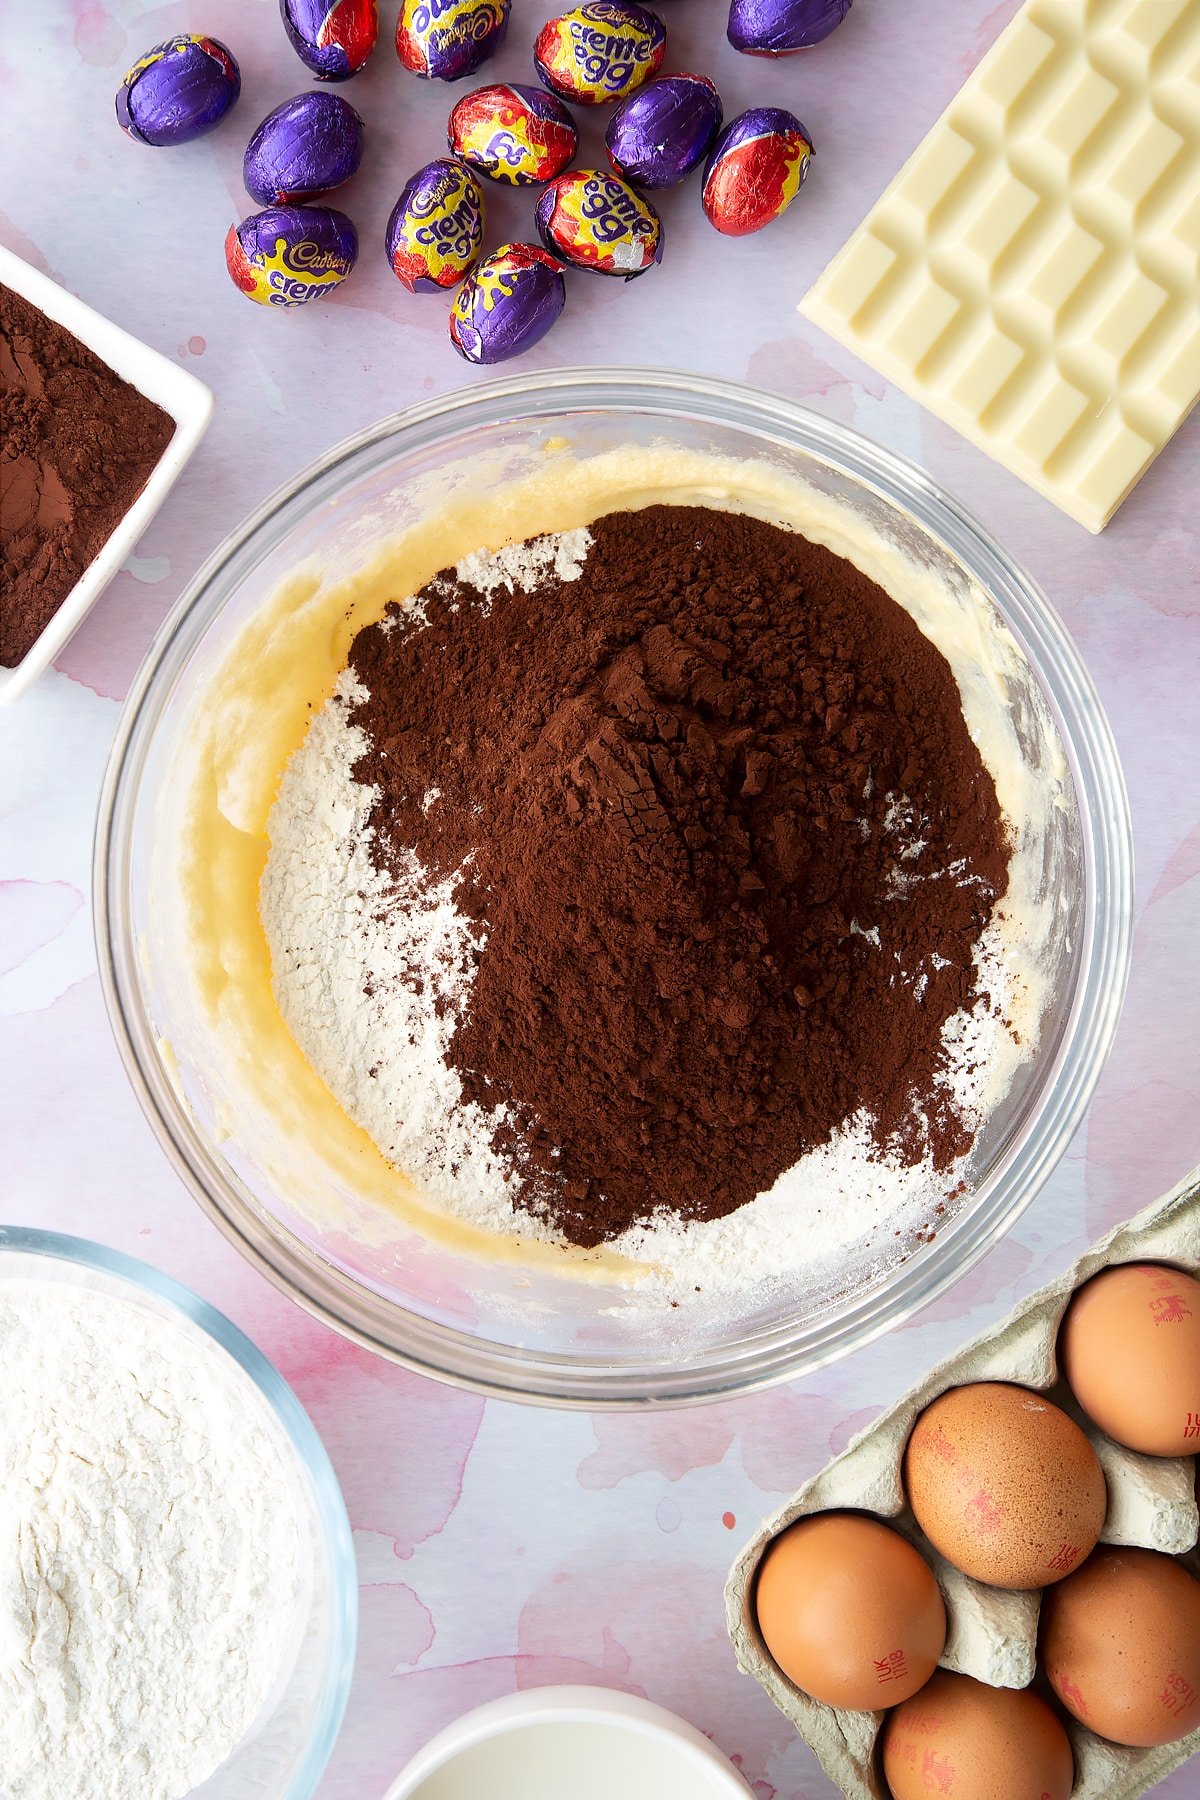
(850, 1611)
(1120, 1643)
(1004, 1485)
(1130, 1348)
(961, 1740)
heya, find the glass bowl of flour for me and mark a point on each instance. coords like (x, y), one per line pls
(335, 1156)
(179, 1603)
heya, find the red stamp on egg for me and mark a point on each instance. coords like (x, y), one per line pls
(1064, 1558)
(1178, 1693)
(1070, 1693)
(1172, 1309)
(891, 1667)
(939, 1445)
(984, 1512)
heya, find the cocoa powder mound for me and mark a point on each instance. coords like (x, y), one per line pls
(719, 810)
(78, 445)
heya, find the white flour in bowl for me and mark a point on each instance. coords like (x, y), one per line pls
(149, 1550)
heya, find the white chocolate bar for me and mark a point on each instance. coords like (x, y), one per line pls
(1032, 275)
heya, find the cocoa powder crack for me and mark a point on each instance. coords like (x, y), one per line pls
(717, 811)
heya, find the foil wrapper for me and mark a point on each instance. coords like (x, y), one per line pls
(435, 234)
(289, 255)
(521, 135)
(333, 38)
(599, 52)
(596, 221)
(755, 170)
(507, 304)
(781, 27)
(444, 40)
(307, 146)
(660, 133)
(178, 91)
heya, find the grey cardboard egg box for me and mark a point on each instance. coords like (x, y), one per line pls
(992, 1632)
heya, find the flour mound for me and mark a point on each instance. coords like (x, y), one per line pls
(149, 1555)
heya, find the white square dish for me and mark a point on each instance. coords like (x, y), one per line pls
(186, 400)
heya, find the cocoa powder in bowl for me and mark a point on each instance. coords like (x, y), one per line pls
(78, 446)
(716, 806)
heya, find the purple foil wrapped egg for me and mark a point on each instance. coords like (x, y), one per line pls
(513, 133)
(594, 220)
(288, 255)
(657, 136)
(507, 304)
(755, 170)
(435, 234)
(444, 40)
(781, 27)
(178, 91)
(307, 146)
(333, 38)
(600, 52)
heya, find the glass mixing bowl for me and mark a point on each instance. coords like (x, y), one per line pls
(286, 1749)
(496, 1326)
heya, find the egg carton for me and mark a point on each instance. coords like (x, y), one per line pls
(992, 1632)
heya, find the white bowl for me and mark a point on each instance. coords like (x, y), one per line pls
(673, 1756)
(187, 401)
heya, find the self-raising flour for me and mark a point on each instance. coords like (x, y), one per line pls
(149, 1551)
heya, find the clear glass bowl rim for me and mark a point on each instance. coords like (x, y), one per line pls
(789, 1350)
(302, 1434)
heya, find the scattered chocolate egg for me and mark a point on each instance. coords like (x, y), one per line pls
(959, 1739)
(288, 255)
(596, 221)
(850, 1611)
(333, 38)
(755, 170)
(435, 234)
(1004, 1484)
(599, 52)
(444, 40)
(1130, 1348)
(178, 91)
(512, 133)
(307, 146)
(1120, 1644)
(660, 133)
(780, 27)
(509, 301)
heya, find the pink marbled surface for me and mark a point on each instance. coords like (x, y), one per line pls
(501, 1547)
